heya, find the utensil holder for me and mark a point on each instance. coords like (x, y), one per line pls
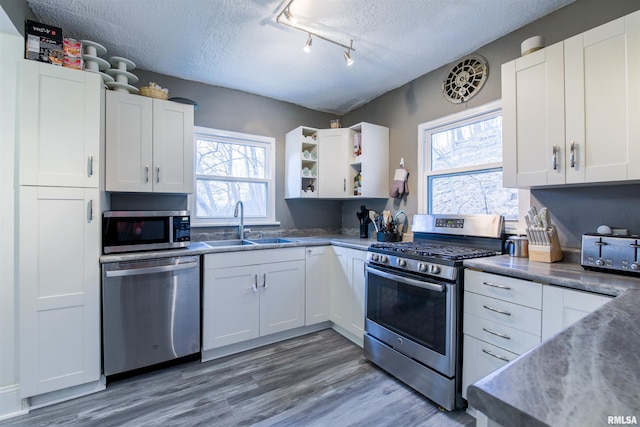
(389, 237)
(547, 253)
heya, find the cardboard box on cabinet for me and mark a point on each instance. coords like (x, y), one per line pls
(44, 43)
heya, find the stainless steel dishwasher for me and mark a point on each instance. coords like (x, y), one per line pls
(150, 312)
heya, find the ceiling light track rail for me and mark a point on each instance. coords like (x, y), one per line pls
(290, 21)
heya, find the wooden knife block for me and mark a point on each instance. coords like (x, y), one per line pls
(544, 253)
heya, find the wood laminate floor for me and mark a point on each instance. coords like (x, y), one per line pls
(320, 379)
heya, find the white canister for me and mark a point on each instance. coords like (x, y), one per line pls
(531, 45)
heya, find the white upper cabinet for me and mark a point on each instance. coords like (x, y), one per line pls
(333, 168)
(343, 163)
(149, 145)
(59, 126)
(602, 86)
(569, 110)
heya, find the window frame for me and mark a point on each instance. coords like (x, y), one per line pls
(269, 143)
(424, 159)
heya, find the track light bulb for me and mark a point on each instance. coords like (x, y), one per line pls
(307, 46)
(292, 19)
(347, 58)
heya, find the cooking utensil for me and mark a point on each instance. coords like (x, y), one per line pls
(373, 215)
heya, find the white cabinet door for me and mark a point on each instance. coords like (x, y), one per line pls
(318, 261)
(59, 282)
(340, 288)
(129, 145)
(281, 288)
(602, 102)
(173, 147)
(357, 259)
(333, 163)
(562, 307)
(149, 145)
(59, 126)
(480, 359)
(533, 119)
(231, 311)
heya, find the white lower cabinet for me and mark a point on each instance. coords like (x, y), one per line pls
(250, 294)
(562, 307)
(318, 262)
(347, 293)
(59, 287)
(501, 320)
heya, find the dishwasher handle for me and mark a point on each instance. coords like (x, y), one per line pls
(151, 270)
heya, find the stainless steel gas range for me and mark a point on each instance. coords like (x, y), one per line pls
(413, 301)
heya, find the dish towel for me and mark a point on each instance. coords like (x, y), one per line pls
(400, 185)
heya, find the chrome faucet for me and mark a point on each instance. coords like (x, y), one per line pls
(235, 214)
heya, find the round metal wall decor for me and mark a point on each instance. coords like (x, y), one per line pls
(465, 79)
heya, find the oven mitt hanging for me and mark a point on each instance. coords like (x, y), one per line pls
(400, 185)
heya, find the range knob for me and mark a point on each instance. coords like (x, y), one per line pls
(434, 269)
(635, 266)
(422, 267)
(600, 262)
(374, 257)
(384, 259)
(401, 262)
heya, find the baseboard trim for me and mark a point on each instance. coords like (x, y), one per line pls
(356, 339)
(217, 353)
(63, 395)
(11, 403)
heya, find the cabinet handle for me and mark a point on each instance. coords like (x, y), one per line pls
(572, 154)
(264, 280)
(254, 288)
(497, 310)
(146, 173)
(498, 334)
(90, 167)
(90, 211)
(158, 173)
(495, 285)
(554, 157)
(495, 355)
(344, 185)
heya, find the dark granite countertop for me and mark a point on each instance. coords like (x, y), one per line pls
(200, 248)
(580, 377)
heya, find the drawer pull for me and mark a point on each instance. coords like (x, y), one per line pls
(497, 310)
(498, 334)
(495, 285)
(497, 356)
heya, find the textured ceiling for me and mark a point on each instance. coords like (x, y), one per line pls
(238, 44)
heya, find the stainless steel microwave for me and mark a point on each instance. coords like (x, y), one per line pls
(132, 231)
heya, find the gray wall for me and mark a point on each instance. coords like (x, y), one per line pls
(421, 100)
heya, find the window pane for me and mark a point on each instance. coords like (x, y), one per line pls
(473, 193)
(472, 144)
(217, 198)
(223, 159)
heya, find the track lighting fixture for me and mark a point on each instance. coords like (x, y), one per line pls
(307, 46)
(291, 21)
(347, 58)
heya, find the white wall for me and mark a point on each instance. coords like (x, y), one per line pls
(11, 46)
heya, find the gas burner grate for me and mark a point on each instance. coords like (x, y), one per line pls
(435, 250)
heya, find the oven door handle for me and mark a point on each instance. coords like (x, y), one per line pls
(406, 280)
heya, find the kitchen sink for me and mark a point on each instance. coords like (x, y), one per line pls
(270, 240)
(231, 242)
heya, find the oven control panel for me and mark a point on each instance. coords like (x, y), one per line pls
(449, 223)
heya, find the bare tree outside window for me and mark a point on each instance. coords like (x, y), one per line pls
(229, 169)
(464, 171)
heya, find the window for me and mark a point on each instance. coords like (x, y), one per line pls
(461, 165)
(232, 166)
